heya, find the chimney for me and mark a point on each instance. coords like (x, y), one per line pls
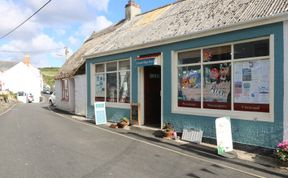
(26, 59)
(132, 9)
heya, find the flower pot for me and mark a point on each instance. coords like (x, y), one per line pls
(169, 134)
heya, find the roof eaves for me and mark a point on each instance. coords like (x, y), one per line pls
(237, 26)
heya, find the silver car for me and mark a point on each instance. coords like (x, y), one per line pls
(52, 99)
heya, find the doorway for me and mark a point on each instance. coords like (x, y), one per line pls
(152, 96)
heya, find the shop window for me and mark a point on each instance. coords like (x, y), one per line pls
(217, 86)
(217, 53)
(251, 49)
(65, 90)
(113, 82)
(225, 79)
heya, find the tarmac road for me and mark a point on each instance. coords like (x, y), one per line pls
(37, 142)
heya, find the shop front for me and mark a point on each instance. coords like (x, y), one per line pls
(192, 82)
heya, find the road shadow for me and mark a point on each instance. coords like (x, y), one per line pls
(207, 152)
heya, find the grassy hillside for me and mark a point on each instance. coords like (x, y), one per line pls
(48, 74)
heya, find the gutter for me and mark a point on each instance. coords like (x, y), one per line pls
(209, 32)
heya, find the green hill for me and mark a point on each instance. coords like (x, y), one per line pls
(48, 74)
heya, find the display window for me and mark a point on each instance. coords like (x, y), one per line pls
(232, 77)
(113, 82)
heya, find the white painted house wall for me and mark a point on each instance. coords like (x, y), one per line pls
(285, 109)
(62, 104)
(80, 95)
(1, 81)
(24, 77)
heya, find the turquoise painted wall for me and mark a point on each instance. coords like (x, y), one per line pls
(247, 132)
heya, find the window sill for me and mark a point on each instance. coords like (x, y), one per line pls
(252, 116)
(117, 105)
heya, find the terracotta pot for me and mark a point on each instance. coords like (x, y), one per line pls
(169, 134)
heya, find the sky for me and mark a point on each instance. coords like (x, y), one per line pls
(59, 25)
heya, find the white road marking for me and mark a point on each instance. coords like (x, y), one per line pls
(161, 147)
(8, 110)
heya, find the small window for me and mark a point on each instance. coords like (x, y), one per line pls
(112, 66)
(124, 65)
(251, 49)
(220, 53)
(99, 68)
(189, 57)
(65, 90)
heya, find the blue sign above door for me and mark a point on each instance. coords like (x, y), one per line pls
(148, 60)
(145, 62)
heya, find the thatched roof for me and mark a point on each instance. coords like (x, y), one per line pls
(179, 19)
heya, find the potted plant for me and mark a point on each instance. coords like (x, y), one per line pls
(124, 121)
(168, 130)
(281, 152)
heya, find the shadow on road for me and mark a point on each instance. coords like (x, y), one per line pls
(208, 153)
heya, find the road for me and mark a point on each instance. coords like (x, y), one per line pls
(37, 142)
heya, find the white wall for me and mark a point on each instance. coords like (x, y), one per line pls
(285, 109)
(22, 77)
(61, 104)
(80, 95)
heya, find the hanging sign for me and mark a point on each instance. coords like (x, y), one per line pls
(148, 60)
(223, 135)
(100, 113)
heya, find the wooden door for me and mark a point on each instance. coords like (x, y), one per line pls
(152, 96)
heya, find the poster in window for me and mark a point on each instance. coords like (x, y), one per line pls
(124, 87)
(254, 79)
(100, 87)
(217, 86)
(189, 86)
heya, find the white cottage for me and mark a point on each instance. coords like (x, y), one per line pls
(70, 83)
(22, 76)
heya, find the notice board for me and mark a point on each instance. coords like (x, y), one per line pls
(100, 113)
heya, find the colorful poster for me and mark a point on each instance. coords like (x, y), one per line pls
(217, 86)
(254, 92)
(189, 87)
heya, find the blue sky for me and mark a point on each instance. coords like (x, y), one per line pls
(62, 23)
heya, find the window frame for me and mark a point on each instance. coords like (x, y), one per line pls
(243, 115)
(65, 89)
(116, 104)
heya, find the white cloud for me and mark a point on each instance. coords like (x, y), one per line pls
(73, 41)
(100, 23)
(40, 48)
(63, 12)
(44, 42)
(14, 15)
(61, 23)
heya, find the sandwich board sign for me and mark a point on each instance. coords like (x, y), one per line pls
(100, 113)
(223, 135)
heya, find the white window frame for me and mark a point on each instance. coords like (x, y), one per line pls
(93, 76)
(243, 115)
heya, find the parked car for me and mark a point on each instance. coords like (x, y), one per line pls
(30, 98)
(52, 99)
(22, 96)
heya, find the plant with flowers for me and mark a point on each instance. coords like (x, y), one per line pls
(281, 151)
